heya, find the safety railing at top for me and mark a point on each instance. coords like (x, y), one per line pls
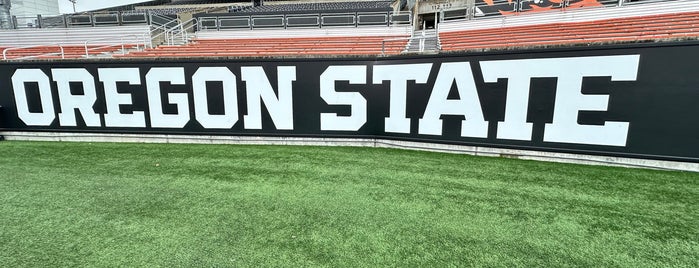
(76, 20)
(315, 20)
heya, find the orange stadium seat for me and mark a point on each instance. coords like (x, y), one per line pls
(69, 51)
(640, 28)
(356, 45)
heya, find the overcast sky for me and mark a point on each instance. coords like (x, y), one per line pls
(66, 6)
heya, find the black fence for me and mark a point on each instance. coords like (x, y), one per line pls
(80, 20)
(634, 101)
(312, 20)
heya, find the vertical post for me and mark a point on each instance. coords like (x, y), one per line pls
(39, 21)
(65, 20)
(14, 22)
(87, 52)
(519, 6)
(182, 33)
(356, 19)
(422, 39)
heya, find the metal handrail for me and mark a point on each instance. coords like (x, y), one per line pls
(170, 35)
(164, 28)
(60, 46)
(421, 37)
(161, 17)
(121, 43)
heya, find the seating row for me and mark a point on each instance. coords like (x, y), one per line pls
(68, 52)
(628, 29)
(364, 45)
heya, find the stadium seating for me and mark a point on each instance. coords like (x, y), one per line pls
(369, 40)
(628, 29)
(61, 52)
(367, 45)
(132, 34)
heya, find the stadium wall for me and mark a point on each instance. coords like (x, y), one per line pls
(632, 105)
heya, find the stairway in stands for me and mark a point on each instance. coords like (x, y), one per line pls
(423, 41)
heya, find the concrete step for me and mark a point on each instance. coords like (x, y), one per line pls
(425, 41)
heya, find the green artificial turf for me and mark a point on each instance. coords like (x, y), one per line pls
(145, 205)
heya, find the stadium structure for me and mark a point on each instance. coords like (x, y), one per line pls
(593, 81)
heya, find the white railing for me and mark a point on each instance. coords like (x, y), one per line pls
(60, 46)
(179, 31)
(141, 40)
(67, 36)
(421, 42)
(162, 30)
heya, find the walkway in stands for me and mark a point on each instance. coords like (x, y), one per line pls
(629, 29)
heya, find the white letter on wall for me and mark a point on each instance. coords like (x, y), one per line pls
(518, 74)
(399, 75)
(47, 114)
(260, 90)
(468, 105)
(174, 75)
(230, 97)
(570, 100)
(355, 75)
(69, 102)
(113, 99)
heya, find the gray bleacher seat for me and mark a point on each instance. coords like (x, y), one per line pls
(349, 6)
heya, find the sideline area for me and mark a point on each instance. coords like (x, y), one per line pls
(125, 204)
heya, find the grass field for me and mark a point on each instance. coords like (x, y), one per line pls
(138, 205)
